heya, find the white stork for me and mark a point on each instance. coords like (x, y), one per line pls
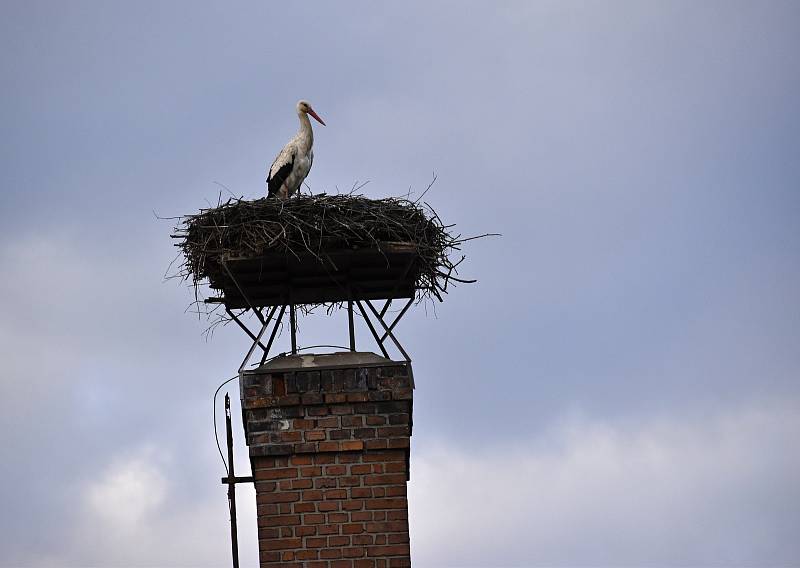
(293, 163)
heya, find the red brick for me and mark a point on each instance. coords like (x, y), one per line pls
(393, 431)
(352, 421)
(376, 420)
(394, 467)
(356, 552)
(283, 543)
(336, 494)
(327, 506)
(363, 539)
(353, 528)
(282, 473)
(349, 480)
(304, 508)
(394, 503)
(266, 533)
(313, 519)
(390, 550)
(329, 446)
(325, 482)
(387, 456)
(312, 495)
(267, 510)
(315, 435)
(338, 541)
(329, 529)
(306, 554)
(317, 542)
(278, 520)
(378, 444)
(312, 398)
(388, 479)
(263, 463)
(293, 436)
(266, 486)
(342, 409)
(302, 424)
(364, 433)
(349, 457)
(399, 491)
(357, 516)
(301, 484)
(305, 531)
(311, 471)
(386, 527)
(280, 497)
(302, 460)
(352, 445)
(360, 492)
(331, 422)
(336, 470)
(267, 556)
(358, 397)
(338, 517)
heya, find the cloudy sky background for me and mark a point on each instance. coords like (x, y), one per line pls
(620, 388)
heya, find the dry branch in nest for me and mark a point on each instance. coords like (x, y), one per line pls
(315, 229)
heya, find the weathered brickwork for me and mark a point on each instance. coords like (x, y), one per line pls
(329, 450)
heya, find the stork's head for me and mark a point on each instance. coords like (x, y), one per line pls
(304, 107)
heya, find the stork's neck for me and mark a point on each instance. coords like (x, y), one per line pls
(305, 136)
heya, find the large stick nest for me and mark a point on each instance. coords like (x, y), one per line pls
(316, 225)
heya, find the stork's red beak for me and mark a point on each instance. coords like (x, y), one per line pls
(316, 116)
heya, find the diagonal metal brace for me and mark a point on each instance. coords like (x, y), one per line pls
(388, 332)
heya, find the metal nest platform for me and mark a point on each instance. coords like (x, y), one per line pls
(385, 271)
(269, 256)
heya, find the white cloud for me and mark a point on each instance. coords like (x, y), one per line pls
(133, 515)
(128, 492)
(702, 491)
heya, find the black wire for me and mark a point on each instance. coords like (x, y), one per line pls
(216, 436)
(216, 392)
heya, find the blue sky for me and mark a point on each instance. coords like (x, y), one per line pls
(621, 386)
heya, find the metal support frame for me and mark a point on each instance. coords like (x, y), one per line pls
(293, 327)
(387, 329)
(350, 325)
(378, 315)
(374, 319)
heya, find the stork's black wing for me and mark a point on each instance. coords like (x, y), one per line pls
(274, 181)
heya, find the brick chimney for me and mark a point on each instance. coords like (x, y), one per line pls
(329, 439)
